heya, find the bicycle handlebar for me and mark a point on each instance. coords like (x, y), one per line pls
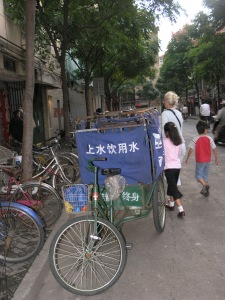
(98, 159)
(91, 167)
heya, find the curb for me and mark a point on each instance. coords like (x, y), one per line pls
(31, 284)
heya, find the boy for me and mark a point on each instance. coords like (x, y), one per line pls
(202, 145)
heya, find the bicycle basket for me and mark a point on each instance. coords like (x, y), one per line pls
(6, 156)
(115, 186)
(75, 197)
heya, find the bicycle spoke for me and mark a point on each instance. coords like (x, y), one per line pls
(21, 236)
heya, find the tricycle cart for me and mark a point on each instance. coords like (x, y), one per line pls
(121, 163)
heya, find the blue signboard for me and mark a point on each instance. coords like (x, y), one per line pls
(127, 149)
(137, 150)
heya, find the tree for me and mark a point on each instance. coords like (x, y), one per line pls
(69, 24)
(201, 26)
(56, 21)
(133, 55)
(209, 55)
(148, 92)
(119, 50)
(193, 55)
(176, 70)
(217, 8)
(30, 7)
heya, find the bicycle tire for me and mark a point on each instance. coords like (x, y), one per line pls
(22, 233)
(70, 157)
(4, 179)
(74, 157)
(82, 272)
(46, 202)
(70, 172)
(159, 208)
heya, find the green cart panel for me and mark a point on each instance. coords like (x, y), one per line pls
(133, 197)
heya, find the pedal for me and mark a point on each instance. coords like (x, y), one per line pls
(129, 246)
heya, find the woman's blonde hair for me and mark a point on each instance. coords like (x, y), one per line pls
(172, 98)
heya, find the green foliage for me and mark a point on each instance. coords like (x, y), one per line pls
(126, 48)
(115, 39)
(197, 52)
(217, 8)
(176, 69)
(210, 56)
(16, 11)
(165, 8)
(202, 26)
(148, 92)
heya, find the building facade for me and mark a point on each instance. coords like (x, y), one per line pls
(48, 99)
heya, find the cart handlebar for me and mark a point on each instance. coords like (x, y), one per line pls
(91, 167)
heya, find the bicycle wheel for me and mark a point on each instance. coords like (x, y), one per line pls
(21, 234)
(43, 199)
(59, 180)
(158, 202)
(83, 263)
(4, 179)
(70, 158)
(70, 155)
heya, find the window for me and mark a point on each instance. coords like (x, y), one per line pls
(9, 64)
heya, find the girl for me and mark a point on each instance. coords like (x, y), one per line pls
(173, 150)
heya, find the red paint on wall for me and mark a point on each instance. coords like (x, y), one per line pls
(4, 115)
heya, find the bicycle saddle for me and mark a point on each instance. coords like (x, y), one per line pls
(111, 171)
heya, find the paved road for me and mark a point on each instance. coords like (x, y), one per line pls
(186, 261)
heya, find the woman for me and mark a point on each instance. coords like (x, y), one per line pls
(171, 114)
(16, 126)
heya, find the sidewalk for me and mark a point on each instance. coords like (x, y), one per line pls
(33, 280)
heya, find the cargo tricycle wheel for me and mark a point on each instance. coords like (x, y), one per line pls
(158, 202)
(86, 263)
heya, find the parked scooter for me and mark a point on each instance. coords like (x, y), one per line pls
(185, 112)
(208, 119)
(221, 134)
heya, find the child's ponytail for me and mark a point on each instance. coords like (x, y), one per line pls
(172, 133)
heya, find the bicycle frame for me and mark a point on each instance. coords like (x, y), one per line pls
(100, 207)
(13, 185)
(52, 168)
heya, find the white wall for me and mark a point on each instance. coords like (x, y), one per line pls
(53, 114)
(77, 103)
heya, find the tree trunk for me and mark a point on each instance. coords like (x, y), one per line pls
(197, 91)
(29, 92)
(87, 101)
(218, 87)
(65, 98)
(63, 70)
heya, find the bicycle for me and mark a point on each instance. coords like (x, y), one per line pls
(88, 253)
(55, 169)
(43, 156)
(59, 170)
(21, 232)
(39, 196)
